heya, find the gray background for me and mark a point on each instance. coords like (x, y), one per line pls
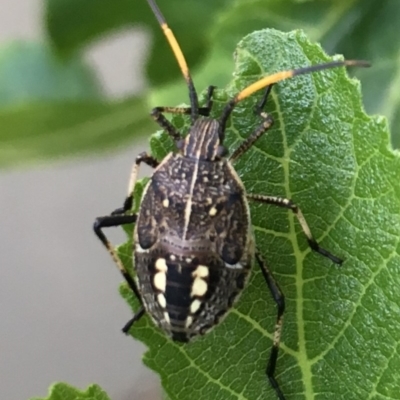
(60, 312)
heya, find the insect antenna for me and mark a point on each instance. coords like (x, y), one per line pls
(194, 102)
(277, 77)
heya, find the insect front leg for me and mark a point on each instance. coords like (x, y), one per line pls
(266, 123)
(157, 114)
(205, 111)
(151, 162)
(279, 299)
(287, 203)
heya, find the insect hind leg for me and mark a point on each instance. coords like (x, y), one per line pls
(113, 221)
(279, 299)
(127, 327)
(118, 218)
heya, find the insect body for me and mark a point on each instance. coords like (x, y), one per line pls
(193, 243)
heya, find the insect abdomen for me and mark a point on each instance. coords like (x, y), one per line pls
(185, 297)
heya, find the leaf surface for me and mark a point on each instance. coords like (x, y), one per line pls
(63, 391)
(342, 325)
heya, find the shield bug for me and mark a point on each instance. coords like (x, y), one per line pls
(193, 241)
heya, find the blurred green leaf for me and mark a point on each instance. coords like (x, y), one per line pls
(325, 21)
(73, 24)
(376, 39)
(342, 325)
(215, 70)
(31, 72)
(42, 131)
(63, 391)
(209, 31)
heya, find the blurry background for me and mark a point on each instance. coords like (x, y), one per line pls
(60, 312)
(75, 92)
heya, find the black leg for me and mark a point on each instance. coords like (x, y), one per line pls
(205, 111)
(286, 203)
(260, 106)
(157, 114)
(127, 327)
(109, 221)
(232, 104)
(118, 218)
(142, 157)
(266, 123)
(209, 102)
(112, 221)
(279, 299)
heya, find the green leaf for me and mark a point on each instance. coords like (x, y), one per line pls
(31, 72)
(63, 391)
(39, 132)
(341, 332)
(357, 29)
(51, 108)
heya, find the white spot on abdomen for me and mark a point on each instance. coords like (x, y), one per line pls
(188, 322)
(161, 300)
(160, 278)
(194, 307)
(161, 265)
(199, 287)
(201, 272)
(166, 317)
(160, 281)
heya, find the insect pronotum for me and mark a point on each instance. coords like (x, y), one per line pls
(193, 242)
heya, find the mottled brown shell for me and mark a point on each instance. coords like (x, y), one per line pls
(193, 243)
